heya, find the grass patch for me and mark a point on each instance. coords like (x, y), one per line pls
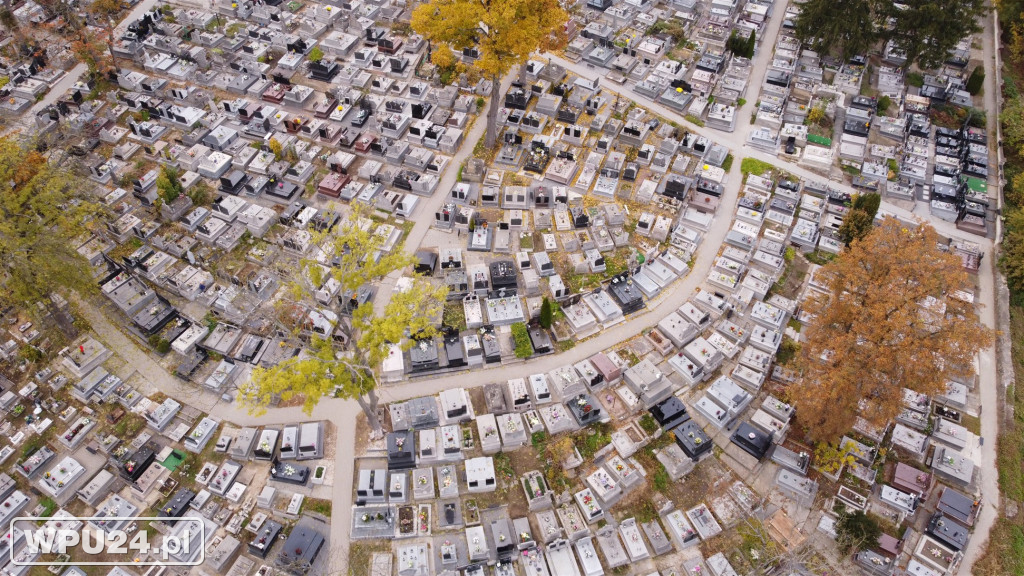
(49, 507)
(521, 335)
(318, 505)
(727, 165)
(820, 258)
(526, 242)
(754, 166)
(564, 345)
(590, 440)
(648, 424)
(360, 555)
(537, 440)
(694, 120)
(1005, 554)
(660, 480)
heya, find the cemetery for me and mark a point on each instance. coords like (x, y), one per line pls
(609, 211)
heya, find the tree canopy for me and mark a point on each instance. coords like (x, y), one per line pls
(926, 30)
(840, 27)
(1011, 258)
(888, 319)
(42, 212)
(505, 32)
(353, 257)
(860, 219)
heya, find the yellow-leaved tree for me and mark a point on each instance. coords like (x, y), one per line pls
(505, 32)
(892, 316)
(45, 214)
(345, 360)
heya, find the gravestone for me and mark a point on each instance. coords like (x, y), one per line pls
(611, 547)
(591, 508)
(656, 536)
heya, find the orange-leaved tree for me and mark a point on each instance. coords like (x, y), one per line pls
(505, 33)
(892, 316)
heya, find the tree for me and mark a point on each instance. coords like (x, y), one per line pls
(886, 320)
(739, 46)
(505, 33)
(976, 80)
(857, 531)
(545, 313)
(842, 28)
(1011, 252)
(42, 213)
(105, 14)
(276, 147)
(869, 203)
(860, 219)
(93, 51)
(816, 115)
(927, 30)
(316, 54)
(883, 104)
(168, 184)
(356, 259)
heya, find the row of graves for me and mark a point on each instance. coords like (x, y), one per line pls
(441, 456)
(30, 80)
(247, 277)
(932, 490)
(369, 132)
(732, 329)
(245, 490)
(384, 136)
(707, 85)
(677, 177)
(903, 156)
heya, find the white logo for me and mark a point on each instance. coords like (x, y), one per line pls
(54, 543)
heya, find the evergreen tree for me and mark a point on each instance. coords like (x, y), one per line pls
(545, 313)
(976, 80)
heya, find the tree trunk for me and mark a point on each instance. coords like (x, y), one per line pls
(369, 405)
(492, 112)
(110, 46)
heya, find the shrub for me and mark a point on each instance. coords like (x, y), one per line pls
(545, 313)
(915, 79)
(787, 352)
(163, 346)
(168, 184)
(524, 349)
(883, 104)
(316, 54)
(977, 79)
